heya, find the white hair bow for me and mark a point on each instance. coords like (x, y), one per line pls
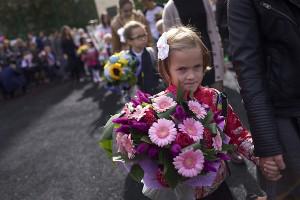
(163, 47)
(120, 32)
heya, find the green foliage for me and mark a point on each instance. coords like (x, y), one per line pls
(210, 154)
(213, 128)
(137, 173)
(209, 117)
(20, 17)
(107, 146)
(170, 173)
(167, 114)
(106, 137)
(146, 139)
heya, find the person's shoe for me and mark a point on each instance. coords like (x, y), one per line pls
(236, 158)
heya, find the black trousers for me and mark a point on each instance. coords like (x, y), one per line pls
(288, 187)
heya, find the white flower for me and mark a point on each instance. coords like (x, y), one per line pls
(163, 47)
(139, 112)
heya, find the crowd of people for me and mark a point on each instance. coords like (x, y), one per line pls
(69, 53)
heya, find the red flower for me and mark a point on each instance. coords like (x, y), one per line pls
(207, 138)
(183, 139)
(149, 117)
(161, 179)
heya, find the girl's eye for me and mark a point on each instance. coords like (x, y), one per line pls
(181, 69)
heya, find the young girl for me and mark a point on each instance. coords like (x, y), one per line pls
(183, 59)
(90, 58)
(135, 35)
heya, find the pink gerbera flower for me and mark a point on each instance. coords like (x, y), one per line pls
(193, 128)
(197, 109)
(163, 103)
(217, 142)
(189, 163)
(162, 132)
(125, 144)
(139, 112)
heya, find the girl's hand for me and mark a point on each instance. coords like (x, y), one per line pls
(270, 170)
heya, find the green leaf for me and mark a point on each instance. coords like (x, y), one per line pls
(210, 154)
(106, 137)
(191, 95)
(213, 128)
(107, 146)
(208, 118)
(146, 139)
(136, 172)
(108, 128)
(228, 147)
(171, 175)
(161, 157)
(194, 146)
(211, 157)
(167, 114)
(180, 94)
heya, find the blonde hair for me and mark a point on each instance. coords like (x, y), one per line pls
(129, 26)
(178, 39)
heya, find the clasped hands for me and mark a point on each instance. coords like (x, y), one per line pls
(271, 167)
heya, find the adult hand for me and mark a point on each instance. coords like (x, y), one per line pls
(271, 166)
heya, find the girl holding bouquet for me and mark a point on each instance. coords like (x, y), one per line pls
(180, 145)
(183, 59)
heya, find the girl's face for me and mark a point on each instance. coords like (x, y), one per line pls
(126, 11)
(138, 39)
(186, 68)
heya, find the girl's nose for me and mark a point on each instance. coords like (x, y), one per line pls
(191, 75)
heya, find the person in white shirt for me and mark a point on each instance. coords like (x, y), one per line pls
(153, 13)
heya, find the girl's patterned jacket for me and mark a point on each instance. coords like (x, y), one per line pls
(239, 136)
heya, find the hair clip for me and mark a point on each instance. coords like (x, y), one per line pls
(163, 47)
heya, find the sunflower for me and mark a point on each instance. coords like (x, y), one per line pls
(115, 71)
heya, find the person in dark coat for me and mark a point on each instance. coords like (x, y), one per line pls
(265, 42)
(11, 80)
(69, 51)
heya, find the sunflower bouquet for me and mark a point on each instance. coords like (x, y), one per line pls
(165, 140)
(119, 71)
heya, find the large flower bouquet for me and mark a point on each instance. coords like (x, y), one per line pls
(165, 140)
(119, 71)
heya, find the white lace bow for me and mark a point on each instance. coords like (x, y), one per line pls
(163, 47)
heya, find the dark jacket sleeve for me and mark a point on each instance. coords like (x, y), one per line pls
(248, 60)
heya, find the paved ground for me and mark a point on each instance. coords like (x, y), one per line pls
(49, 152)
